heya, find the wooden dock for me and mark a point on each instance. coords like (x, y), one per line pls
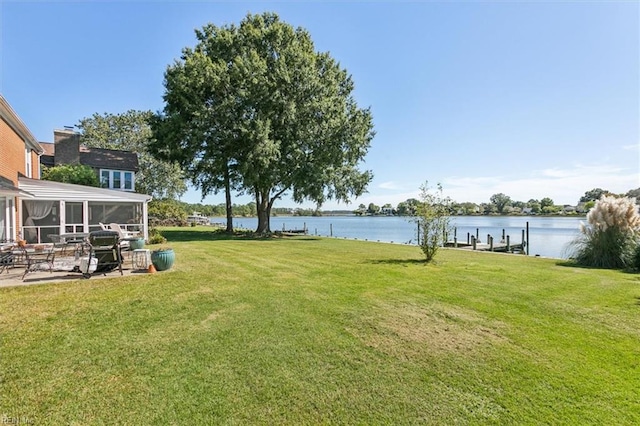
(504, 245)
(294, 232)
(497, 247)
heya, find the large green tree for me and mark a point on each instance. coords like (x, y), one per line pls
(500, 201)
(593, 195)
(546, 202)
(254, 107)
(634, 193)
(131, 131)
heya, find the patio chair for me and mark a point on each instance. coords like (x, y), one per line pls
(6, 260)
(35, 259)
(123, 234)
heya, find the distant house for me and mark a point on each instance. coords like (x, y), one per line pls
(582, 207)
(198, 219)
(568, 209)
(115, 169)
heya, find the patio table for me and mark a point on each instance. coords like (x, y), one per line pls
(77, 240)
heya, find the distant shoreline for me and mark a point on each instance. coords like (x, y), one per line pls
(351, 214)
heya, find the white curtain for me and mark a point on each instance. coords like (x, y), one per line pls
(36, 210)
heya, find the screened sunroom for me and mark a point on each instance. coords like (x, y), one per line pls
(55, 208)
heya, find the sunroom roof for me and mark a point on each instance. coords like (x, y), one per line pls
(7, 188)
(48, 190)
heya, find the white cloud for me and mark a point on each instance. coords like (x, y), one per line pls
(390, 185)
(635, 147)
(556, 173)
(563, 186)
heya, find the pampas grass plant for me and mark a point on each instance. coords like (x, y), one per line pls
(611, 236)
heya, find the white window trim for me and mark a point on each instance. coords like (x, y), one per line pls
(27, 163)
(122, 180)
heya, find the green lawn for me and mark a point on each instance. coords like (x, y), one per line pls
(310, 330)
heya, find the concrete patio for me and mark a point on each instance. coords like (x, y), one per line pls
(62, 272)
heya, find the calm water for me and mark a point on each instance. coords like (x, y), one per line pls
(548, 236)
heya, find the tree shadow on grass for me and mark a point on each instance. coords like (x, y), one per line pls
(190, 234)
(574, 264)
(403, 262)
(571, 264)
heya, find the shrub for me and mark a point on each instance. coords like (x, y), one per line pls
(71, 173)
(167, 211)
(611, 236)
(433, 218)
(636, 259)
(155, 237)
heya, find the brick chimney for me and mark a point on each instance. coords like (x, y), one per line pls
(67, 147)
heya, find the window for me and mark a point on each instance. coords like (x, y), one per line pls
(4, 219)
(104, 179)
(116, 179)
(7, 219)
(73, 213)
(128, 181)
(117, 182)
(27, 162)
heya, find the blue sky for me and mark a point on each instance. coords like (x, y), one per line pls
(530, 99)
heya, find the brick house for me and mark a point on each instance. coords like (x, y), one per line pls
(38, 210)
(19, 155)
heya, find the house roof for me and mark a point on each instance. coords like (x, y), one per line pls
(47, 158)
(49, 190)
(9, 115)
(99, 158)
(7, 188)
(48, 148)
(102, 158)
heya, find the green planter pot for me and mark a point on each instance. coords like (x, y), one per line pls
(163, 259)
(136, 244)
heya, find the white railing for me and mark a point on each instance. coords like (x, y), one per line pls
(41, 233)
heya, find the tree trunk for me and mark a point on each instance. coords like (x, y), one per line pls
(264, 205)
(227, 194)
(263, 210)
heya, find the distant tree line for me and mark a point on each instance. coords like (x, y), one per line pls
(499, 204)
(169, 211)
